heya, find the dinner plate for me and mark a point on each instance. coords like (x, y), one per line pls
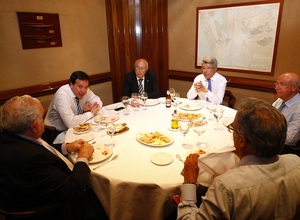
(149, 102)
(190, 106)
(87, 137)
(162, 158)
(210, 150)
(109, 118)
(100, 153)
(154, 138)
(182, 116)
(84, 131)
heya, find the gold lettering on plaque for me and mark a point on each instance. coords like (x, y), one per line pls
(51, 31)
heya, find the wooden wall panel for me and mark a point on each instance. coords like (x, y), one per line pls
(137, 29)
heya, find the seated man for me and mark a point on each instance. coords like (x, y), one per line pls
(64, 112)
(262, 185)
(141, 80)
(33, 173)
(210, 84)
(288, 102)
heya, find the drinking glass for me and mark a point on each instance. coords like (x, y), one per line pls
(135, 101)
(125, 101)
(176, 99)
(211, 107)
(184, 128)
(218, 113)
(199, 127)
(172, 93)
(110, 130)
(144, 97)
(97, 119)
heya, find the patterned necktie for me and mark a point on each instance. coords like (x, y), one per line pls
(209, 84)
(140, 86)
(281, 107)
(79, 110)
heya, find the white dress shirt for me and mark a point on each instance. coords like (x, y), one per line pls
(218, 84)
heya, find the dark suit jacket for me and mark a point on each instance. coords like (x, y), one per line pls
(31, 175)
(150, 84)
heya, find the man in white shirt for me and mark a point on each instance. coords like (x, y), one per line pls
(263, 185)
(210, 84)
(63, 111)
(288, 102)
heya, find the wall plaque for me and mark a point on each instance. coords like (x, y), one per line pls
(39, 30)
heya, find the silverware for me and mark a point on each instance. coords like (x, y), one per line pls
(113, 158)
(179, 158)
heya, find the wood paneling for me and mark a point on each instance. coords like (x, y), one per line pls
(137, 29)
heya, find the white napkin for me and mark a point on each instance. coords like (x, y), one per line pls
(60, 138)
(214, 164)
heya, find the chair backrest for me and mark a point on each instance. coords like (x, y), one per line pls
(229, 99)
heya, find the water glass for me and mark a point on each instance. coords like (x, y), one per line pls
(125, 101)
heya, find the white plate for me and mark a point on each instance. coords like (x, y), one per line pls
(100, 153)
(150, 102)
(162, 158)
(190, 106)
(109, 118)
(86, 137)
(157, 141)
(210, 150)
(162, 100)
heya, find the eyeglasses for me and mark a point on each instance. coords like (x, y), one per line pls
(231, 128)
(207, 68)
(281, 85)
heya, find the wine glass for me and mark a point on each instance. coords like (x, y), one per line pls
(184, 128)
(135, 101)
(172, 93)
(176, 99)
(144, 97)
(218, 113)
(110, 130)
(199, 127)
(97, 119)
(211, 107)
(125, 101)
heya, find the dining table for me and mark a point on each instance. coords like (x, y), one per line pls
(141, 180)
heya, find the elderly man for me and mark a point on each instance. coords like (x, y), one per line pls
(288, 102)
(210, 84)
(141, 79)
(32, 172)
(262, 185)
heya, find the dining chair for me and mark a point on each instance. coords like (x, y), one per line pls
(50, 132)
(229, 99)
(48, 212)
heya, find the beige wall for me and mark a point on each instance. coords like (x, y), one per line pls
(84, 38)
(182, 40)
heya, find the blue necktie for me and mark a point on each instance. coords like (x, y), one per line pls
(281, 107)
(209, 84)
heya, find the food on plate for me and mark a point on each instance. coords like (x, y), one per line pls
(154, 138)
(186, 106)
(200, 152)
(105, 152)
(187, 116)
(106, 119)
(83, 127)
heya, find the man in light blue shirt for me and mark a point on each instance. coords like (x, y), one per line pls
(288, 102)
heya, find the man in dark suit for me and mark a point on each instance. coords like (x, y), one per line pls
(33, 173)
(141, 80)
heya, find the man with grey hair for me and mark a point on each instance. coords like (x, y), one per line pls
(210, 84)
(262, 185)
(288, 102)
(32, 172)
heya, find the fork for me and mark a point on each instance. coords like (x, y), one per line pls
(113, 158)
(179, 158)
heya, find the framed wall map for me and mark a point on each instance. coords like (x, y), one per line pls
(243, 37)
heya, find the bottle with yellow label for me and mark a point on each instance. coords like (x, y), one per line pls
(174, 120)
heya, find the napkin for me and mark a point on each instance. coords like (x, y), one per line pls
(60, 138)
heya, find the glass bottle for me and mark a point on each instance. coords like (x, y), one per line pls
(168, 99)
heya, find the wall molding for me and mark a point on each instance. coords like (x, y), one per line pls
(49, 88)
(236, 82)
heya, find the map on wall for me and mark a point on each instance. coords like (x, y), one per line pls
(240, 37)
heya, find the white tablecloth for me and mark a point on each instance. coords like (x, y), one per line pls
(132, 187)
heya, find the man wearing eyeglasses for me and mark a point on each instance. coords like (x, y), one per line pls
(288, 102)
(262, 185)
(209, 85)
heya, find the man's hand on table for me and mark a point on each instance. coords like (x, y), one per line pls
(191, 168)
(84, 149)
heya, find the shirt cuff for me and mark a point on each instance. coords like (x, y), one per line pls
(64, 149)
(82, 160)
(188, 192)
